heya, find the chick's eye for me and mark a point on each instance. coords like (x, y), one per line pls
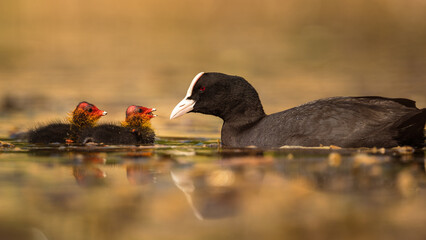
(90, 110)
(140, 111)
(202, 89)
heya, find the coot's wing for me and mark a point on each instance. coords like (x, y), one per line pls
(345, 121)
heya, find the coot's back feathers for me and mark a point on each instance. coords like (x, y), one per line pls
(411, 129)
(403, 101)
(343, 121)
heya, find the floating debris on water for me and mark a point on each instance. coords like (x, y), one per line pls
(302, 147)
(404, 150)
(6, 145)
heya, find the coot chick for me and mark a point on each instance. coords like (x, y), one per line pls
(342, 121)
(135, 130)
(85, 115)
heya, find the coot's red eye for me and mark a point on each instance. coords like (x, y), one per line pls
(202, 89)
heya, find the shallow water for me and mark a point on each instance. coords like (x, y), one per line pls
(193, 189)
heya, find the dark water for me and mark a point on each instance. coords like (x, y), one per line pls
(193, 189)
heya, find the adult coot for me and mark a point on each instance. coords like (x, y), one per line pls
(342, 121)
(136, 129)
(85, 115)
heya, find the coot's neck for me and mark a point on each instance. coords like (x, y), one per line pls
(243, 113)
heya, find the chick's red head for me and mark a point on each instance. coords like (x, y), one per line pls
(86, 114)
(137, 116)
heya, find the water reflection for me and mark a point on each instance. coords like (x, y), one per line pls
(14, 231)
(139, 174)
(86, 169)
(218, 191)
(355, 172)
(163, 191)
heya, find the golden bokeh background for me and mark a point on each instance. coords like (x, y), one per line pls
(54, 54)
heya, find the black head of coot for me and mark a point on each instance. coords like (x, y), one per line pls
(222, 95)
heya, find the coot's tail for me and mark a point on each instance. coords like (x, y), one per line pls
(424, 130)
(411, 131)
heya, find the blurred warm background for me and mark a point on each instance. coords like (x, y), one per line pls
(54, 54)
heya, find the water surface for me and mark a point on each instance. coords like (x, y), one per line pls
(193, 189)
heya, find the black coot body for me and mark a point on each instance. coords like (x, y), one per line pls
(52, 133)
(342, 121)
(111, 134)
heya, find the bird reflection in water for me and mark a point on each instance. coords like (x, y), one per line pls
(218, 191)
(141, 168)
(139, 174)
(86, 170)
